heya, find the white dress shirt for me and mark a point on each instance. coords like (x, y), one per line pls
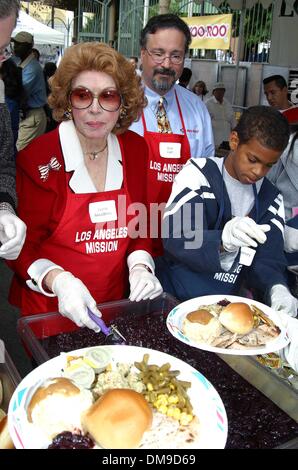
(195, 115)
(222, 118)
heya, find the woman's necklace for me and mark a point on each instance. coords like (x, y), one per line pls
(94, 155)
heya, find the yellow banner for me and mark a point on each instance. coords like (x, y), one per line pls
(210, 32)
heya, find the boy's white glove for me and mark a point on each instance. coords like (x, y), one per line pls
(283, 301)
(143, 284)
(12, 235)
(73, 300)
(243, 231)
(290, 352)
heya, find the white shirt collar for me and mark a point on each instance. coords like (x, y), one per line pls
(153, 98)
(80, 181)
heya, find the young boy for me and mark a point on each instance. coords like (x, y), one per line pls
(223, 224)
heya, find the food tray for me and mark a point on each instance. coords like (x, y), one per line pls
(36, 331)
(10, 378)
(269, 383)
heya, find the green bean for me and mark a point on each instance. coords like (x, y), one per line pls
(140, 366)
(145, 359)
(184, 384)
(165, 367)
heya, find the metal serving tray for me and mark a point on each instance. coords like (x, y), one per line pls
(270, 384)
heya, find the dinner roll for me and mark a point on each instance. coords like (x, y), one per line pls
(118, 419)
(237, 317)
(201, 326)
(57, 405)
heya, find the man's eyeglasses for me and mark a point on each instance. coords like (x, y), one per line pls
(159, 57)
(82, 98)
(5, 54)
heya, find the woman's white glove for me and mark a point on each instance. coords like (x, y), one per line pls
(290, 352)
(243, 231)
(143, 284)
(283, 301)
(12, 235)
(73, 300)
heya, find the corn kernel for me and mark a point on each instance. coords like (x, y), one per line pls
(150, 387)
(163, 409)
(185, 419)
(170, 412)
(173, 399)
(177, 413)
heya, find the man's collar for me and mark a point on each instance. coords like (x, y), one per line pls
(153, 97)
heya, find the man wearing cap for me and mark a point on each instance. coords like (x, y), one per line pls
(12, 229)
(221, 113)
(35, 121)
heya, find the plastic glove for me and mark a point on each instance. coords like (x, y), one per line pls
(283, 301)
(2, 91)
(143, 284)
(290, 352)
(291, 239)
(243, 231)
(73, 300)
(12, 235)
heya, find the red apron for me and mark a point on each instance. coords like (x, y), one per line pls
(162, 167)
(94, 251)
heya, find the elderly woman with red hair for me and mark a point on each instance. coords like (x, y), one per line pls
(79, 187)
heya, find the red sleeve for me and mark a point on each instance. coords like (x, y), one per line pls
(40, 203)
(136, 157)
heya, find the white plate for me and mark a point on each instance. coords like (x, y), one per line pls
(206, 402)
(176, 317)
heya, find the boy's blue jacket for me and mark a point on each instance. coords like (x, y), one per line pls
(193, 272)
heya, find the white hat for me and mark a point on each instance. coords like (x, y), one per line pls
(22, 37)
(218, 85)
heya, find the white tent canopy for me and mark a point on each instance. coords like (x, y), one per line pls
(42, 34)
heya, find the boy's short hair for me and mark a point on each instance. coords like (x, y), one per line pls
(279, 80)
(265, 124)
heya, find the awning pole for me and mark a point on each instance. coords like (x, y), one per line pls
(241, 32)
(146, 12)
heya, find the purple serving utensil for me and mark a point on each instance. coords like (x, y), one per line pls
(112, 334)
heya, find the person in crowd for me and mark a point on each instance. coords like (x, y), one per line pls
(35, 121)
(12, 229)
(200, 89)
(222, 115)
(36, 53)
(15, 97)
(77, 187)
(276, 92)
(185, 77)
(48, 71)
(284, 175)
(175, 123)
(135, 61)
(224, 221)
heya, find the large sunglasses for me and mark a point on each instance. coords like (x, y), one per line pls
(82, 98)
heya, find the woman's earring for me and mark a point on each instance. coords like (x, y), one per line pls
(68, 113)
(122, 113)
